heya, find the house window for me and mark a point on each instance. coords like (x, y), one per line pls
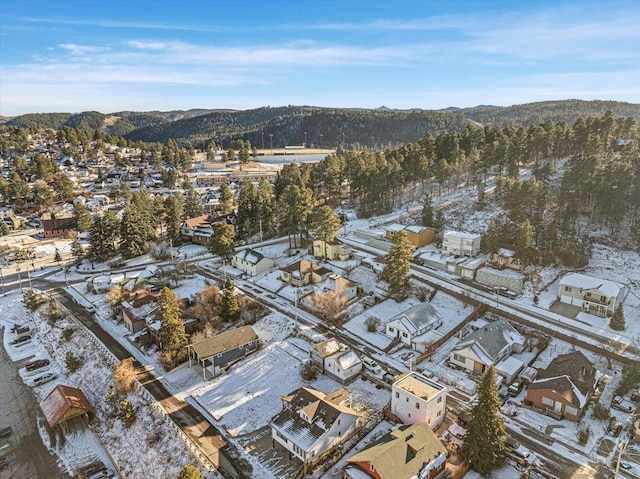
(397, 394)
(417, 405)
(219, 355)
(547, 401)
(572, 411)
(404, 335)
(391, 330)
(439, 400)
(409, 414)
(567, 289)
(371, 468)
(459, 358)
(338, 422)
(407, 399)
(439, 414)
(588, 295)
(603, 299)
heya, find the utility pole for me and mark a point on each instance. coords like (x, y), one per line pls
(621, 448)
(295, 317)
(19, 279)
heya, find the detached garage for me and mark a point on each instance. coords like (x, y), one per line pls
(64, 404)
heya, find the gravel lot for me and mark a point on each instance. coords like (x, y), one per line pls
(20, 410)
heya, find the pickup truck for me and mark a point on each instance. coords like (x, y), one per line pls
(622, 404)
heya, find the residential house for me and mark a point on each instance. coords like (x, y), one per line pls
(415, 321)
(416, 398)
(304, 272)
(505, 258)
(487, 346)
(64, 404)
(200, 229)
(312, 423)
(336, 360)
(340, 285)
(137, 309)
(593, 295)
(565, 387)
(461, 243)
(221, 351)
(331, 250)
(251, 262)
(418, 236)
(58, 224)
(409, 451)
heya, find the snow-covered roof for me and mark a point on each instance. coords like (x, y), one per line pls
(250, 256)
(418, 318)
(510, 366)
(415, 229)
(507, 253)
(395, 227)
(584, 282)
(224, 342)
(462, 235)
(347, 360)
(491, 340)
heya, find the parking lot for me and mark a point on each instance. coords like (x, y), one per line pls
(26, 457)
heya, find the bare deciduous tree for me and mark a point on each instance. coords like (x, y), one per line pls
(124, 376)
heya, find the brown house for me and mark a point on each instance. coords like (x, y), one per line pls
(418, 236)
(137, 309)
(304, 272)
(409, 451)
(565, 387)
(63, 404)
(59, 225)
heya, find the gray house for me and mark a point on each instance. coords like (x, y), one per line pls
(415, 321)
(221, 351)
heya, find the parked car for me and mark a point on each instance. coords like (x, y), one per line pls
(520, 454)
(623, 404)
(615, 427)
(507, 293)
(371, 366)
(43, 379)
(21, 340)
(37, 364)
(90, 309)
(389, 378)
(102, 474)
(515, 388)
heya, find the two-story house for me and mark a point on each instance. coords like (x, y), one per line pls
(407, 452)
(312, 423)
(593, 295)
(565, 387)
(505, 258)
(336, 360)
(416, 398)
(340, 285)
(251, 262)
(331, 250)
(486, 346)
(137, 309)
(415, 321)
(219, 352)
(460, 243)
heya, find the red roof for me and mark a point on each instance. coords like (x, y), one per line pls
(61, 400)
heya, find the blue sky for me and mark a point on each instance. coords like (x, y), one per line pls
(115, 55)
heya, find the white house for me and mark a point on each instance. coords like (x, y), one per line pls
(251, 262)
(339, 284)
(336, 360)
(593, 295)
(413, 322)
(461, 243)
(416, 398)
(312, 422)
(487, 346)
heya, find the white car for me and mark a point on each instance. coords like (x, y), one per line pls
(371, 366)
(42, 379)
(102, 474)
(25, 373)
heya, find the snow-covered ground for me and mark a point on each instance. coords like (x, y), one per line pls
(160, 452)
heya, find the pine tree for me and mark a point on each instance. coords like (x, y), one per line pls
(222, 240)
(484, 443)
(77, 251)
(267, 209)
(105, 235)
(190, 472)
(617, 320)
(248, 211)
(398, 265)
(325, 223)
(132, 232)
(427, 211)
(81, 218)
(172, 333)
(174, 207)
(230, 309)
(226, 199)
(192, 206)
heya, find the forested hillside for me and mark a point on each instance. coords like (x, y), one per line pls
(325, 127)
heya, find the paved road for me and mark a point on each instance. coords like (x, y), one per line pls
(19, 410)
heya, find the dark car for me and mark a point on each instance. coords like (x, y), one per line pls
(20, 340)
(37, 364)
(389, 378)
(615, 427)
